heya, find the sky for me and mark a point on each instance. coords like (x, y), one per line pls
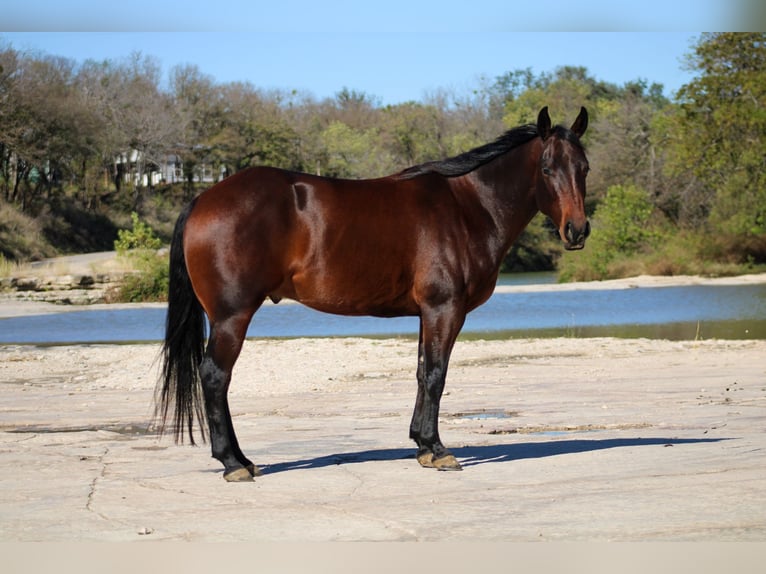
(394, 51)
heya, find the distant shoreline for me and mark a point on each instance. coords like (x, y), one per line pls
(10, 307)
(644, 281)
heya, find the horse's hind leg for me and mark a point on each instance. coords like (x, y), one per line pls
(224, 345)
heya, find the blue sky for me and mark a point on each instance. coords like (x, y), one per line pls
(394, 67)
(395, 50)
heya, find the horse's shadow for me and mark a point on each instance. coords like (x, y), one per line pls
(475, 455)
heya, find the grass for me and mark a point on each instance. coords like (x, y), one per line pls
(148, 281)
(21, 237)
(8, 268)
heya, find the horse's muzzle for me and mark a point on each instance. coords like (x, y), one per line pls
(575, 236)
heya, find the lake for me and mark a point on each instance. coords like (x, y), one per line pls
(677, 313)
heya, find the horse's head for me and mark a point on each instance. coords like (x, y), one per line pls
(561, 172)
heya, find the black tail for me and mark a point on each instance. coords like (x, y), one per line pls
(182, 351)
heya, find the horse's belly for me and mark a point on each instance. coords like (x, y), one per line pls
(351, 297)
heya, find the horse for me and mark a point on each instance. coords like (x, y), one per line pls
(427, 241)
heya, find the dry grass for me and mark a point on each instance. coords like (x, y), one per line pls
(21, 237)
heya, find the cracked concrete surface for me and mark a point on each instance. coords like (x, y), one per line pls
(561, 439)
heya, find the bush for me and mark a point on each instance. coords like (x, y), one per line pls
(625, 228)
(679, 253)
(140, 237)
(150, 280)
(625, 220)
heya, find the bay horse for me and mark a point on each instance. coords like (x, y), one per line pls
(427, 242)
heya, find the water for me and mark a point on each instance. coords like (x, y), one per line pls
(729, 312)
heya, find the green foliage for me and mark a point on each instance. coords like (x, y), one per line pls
(624, 225)
(139, 237)
(680, 253)
(150, 279)
(720, 129)
(148, 283)
(353, 152)
(564, 91)
(412, 131)
(624, 219)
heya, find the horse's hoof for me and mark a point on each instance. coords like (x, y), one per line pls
(426, 459)
(239, 475)
(448, 462)
(253, 470)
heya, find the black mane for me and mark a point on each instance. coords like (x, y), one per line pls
(470, 160)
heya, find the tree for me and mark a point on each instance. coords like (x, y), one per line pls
(199, 104)
(354, 108)
(622, 147)
(564, 91)
(9, 71)
(48, 129)
(719, 132)
(466, 119)
(255, 130)
(144, 116)
(354, 153)
(413, 133)
(508, 87)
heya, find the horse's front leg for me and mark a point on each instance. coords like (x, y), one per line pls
(438, 330)
(223, 349)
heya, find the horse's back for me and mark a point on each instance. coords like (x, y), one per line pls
(342, 246)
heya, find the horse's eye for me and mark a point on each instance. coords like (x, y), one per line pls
(547, 171)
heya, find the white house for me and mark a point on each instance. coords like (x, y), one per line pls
(169, 170)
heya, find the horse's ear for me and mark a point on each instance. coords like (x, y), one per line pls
(544, 123)
(581, 123)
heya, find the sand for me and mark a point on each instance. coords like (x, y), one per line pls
(561, 439)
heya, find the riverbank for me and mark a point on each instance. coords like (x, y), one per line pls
(561, 439)
(71, 280)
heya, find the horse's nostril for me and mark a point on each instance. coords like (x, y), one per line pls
(569, 232)
(576, 236)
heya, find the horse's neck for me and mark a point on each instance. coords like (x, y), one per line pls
(506, 189)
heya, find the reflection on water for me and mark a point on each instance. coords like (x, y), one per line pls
(681, 331)
(727, 312)
(533, 278)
